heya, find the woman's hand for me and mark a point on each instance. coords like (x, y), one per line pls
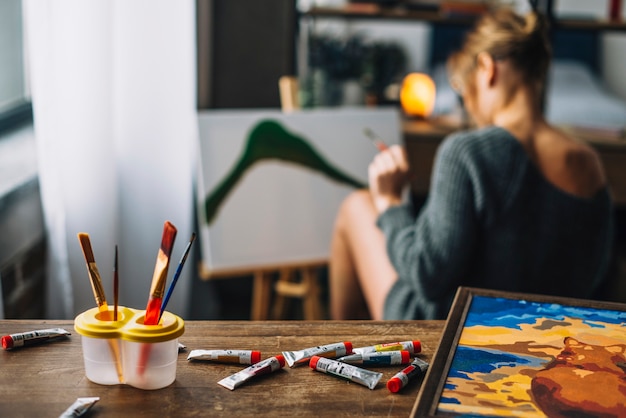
(388, 174)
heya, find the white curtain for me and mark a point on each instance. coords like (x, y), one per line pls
(113, 89)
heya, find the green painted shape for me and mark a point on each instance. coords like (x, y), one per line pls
(270, 140)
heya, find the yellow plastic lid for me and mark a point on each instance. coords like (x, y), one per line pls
(171, 326)
(129, 326)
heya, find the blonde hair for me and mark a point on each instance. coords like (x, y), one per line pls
(503, 34)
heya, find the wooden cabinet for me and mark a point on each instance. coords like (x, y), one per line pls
(422, 138)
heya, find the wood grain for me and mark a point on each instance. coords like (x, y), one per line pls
(44, 380)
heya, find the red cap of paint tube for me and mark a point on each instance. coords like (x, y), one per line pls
(417, 347)
(348, 346)
(406, 356)
(394, 384)
(313, 362)
(7, 342)
(255, 357)
(281, 360)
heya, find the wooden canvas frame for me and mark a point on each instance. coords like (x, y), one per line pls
(430, 401)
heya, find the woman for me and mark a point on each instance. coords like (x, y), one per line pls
(514, 204)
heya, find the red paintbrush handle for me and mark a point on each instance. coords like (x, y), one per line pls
(144, 355)
(153, 311)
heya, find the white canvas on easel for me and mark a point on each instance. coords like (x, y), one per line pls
(281, 213)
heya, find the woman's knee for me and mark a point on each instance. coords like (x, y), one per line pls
(357, 204)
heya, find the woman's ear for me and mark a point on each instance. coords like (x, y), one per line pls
(487, 65)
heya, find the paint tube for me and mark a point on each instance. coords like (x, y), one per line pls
(417, 368)
(345, 371)
(226, 356)
(413, 347)
(181, 347)
(32, 337)
(378, 358)
(268, 365)
(79, 407)
(330, 350)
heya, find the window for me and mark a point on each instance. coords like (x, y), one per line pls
(15, 107)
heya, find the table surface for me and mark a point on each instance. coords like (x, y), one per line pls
(44, 380)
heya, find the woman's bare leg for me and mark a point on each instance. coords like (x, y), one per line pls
(360, 271)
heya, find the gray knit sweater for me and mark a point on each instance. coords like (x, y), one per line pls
(491, 220)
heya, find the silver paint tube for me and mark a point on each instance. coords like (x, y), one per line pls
(417, 368)
(79, 407)
(346, 371)
(412, 347)
(32, 337)
(268, 365)
(329, 350)
(226, 356)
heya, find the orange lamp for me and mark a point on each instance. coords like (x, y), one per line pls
(417, 95)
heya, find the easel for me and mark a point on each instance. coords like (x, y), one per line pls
(293, 196)
(295, 280)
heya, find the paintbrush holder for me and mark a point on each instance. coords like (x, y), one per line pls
(128, 352)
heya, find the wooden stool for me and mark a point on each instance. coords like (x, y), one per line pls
(296, 281)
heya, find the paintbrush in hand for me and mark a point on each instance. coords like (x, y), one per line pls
(378, 143)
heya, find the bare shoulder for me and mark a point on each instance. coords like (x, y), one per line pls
(570, 164)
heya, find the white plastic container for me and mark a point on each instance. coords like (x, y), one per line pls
(128, 352)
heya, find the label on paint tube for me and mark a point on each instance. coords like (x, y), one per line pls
(268, 365)
(32, 337)
(226, 356)
(417, 368)
(345, 371)
(413, 347)
(79, 407)
(330, 350)
(378, 358)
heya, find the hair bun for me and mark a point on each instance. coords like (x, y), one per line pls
(535, 23)
(530, 22)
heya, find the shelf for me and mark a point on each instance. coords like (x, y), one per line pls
(440, 126)
(376, 12)
(591, 25)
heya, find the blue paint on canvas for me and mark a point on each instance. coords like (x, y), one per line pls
(504, 342)
(512, 313)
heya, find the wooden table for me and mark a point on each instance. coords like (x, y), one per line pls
(43, 380)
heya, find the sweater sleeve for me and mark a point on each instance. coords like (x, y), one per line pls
(431, 253)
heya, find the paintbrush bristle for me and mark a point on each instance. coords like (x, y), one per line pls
(85, 244)
(167, 241)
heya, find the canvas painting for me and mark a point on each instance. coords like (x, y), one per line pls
(534, 357)
(270, 183)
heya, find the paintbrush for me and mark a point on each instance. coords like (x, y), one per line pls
(159, 276)
(98, 293)
(94, 276)
(116, 286)
(378, 143)
(179, 269)
(157, 288)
